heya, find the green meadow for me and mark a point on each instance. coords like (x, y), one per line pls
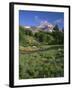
(41, 54)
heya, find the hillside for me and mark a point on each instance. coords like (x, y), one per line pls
(41, 53)
(36, 37)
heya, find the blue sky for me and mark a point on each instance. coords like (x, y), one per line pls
(34, 18)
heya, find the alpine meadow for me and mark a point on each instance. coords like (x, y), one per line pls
(41, 44)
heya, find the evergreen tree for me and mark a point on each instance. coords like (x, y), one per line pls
(56, 28)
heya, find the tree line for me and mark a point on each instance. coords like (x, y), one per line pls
(50, 38)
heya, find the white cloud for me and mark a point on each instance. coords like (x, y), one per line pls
(59, 21)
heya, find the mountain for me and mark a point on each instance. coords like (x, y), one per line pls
(43, 26)
(46, 26)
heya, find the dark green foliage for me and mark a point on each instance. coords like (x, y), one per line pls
(28, 32)
(40, 36)
(58, 37)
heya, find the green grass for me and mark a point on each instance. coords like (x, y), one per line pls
(41, 54)
(44, 64)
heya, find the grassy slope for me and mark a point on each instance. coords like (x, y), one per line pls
(43, 64)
